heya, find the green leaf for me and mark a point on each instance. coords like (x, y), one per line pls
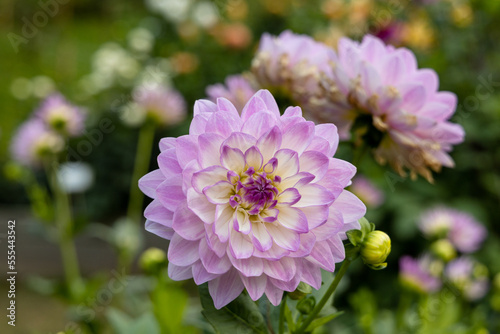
(169, 304)
(289, 318)
(355, 236)
(240, 316)
(322, 321)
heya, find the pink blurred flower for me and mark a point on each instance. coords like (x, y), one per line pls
(291, 63)
(469, 277)
(165, 106)
(62, 116)
(416, 274)
(33, 141)
(367, 191)
(463, 230)
(237, 89)
(251, 201)
(405, 113)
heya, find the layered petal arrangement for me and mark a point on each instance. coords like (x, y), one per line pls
(251, 200)
(236, 88)
(291, 63)
(61, 116)
(405, 115)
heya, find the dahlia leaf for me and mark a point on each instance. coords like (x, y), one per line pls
(322, 321)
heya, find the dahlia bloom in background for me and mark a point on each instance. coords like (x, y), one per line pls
(33, 141)
(367, 191)
(165, 106)
(251, 200)
(463, 230)
(416, 274)
(236, 88)
(62, 116)
(405, 116)
(468, 276)
(291, 63)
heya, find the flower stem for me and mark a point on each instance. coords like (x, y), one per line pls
(325, 298)
(142, 159)
(282, 316)
(64, 223)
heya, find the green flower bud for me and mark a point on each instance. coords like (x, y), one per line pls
(444, 249)
(496, 282)
(152, 260)
(375, 248)
(306, 305)
(302, 290)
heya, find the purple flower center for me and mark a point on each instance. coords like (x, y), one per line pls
(257, 192)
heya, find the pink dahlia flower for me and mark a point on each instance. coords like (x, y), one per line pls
(463, 230)
(62, 116)
(416, 274)
(33, 142)
(237, 89)
(291, 63)
(405, 116)
(367, 191)
(165, 106)
(251, 201)
(470, 277)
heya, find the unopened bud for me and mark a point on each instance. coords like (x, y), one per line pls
(153, 259)
(302, 290)
(444, 249)
(375, 249)
(306, 305)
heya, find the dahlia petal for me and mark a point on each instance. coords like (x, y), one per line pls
(186, 149)
(239, 140)
(201, 275)
(289, 286)
(337, 248)
(253, 158)
(290, 196)
(293, 112)
(293, 219)
(284, 238)
(322, 256)
(436, 110)
(273, 254)
(255, 286)
(288, 163)
(251, 267)
(208, 177)
(261, 238)
(350, 206)
(223, 222)
(233, 159)
(226, 105)
(307, 241)
(269, 101)
(167, 161)
(183, 252)
(178, 273)
(199, 204)
(159, 229)
(341, 170)
(170, 195)
(211, 261)
(447, 98)
(298, 180)
(225, 288)
(370, 79)
(314, 194)
(328, 132)
(448, 133)
(254, 105)
(223, 123)
(283, 269)
(413, 96)
(331, 227)
(298, 136)
(429, 79)
(240, 245)
(269, 143)
(315, 163)
(204, 106)
(187, 224)
(198, 124)
(209, 154)
(311, 274)
(219, 193)
(214, 243)
(241, 222)
(393, 69)
(157, 213)
(273, 294)
(259, 123)
(316, 215)
(149, 182)
(167, 143)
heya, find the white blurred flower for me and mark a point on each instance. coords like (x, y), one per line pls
(43, 86)
(140, 40)
(21, 88)
(75, 177)
(171, 10)
(205, 14)
(132, 114)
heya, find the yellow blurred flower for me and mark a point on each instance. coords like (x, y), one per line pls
(418, 33)
(184, 62)
(462, 14)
